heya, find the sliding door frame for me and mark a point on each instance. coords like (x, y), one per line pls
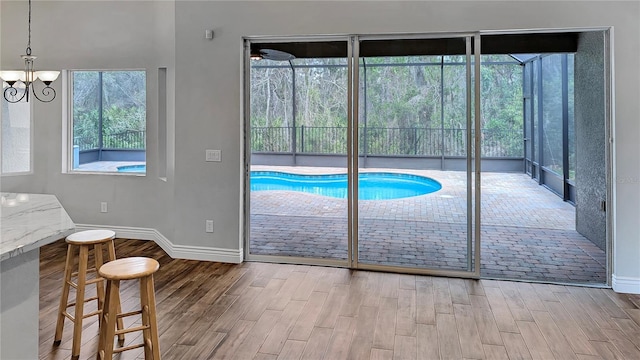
(353, 74)
(353, 70)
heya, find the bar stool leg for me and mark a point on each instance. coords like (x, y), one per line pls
(110, 314)
(97, 256)
(83, 259)
(68, 269)
(150, 335)
(111, 250)
(103, 322)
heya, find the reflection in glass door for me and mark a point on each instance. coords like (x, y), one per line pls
(415, 112)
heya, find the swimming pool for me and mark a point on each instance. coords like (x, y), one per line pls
(133, 168)
(372, 186)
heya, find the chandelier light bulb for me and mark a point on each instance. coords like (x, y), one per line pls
(12, 76)
(47, 76)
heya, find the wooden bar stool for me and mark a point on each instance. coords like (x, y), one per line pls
(131, 268)
(83, 241)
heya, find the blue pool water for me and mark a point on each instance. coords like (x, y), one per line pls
(133, 168)
(372, 186)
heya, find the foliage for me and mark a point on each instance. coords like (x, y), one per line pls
(408, 105)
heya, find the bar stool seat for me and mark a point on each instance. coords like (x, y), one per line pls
(90, 237)
(113, 272)
(83, 241)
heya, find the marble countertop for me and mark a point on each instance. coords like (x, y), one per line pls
(29, 221)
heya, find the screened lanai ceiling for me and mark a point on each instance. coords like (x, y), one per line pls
(565, 42)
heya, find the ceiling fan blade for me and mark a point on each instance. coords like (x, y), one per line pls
(276, 55)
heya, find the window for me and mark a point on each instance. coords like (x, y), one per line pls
(108, 121)
(16, 137)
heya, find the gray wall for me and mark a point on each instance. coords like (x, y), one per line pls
(95, 35)
(590, 124)
(205, 110)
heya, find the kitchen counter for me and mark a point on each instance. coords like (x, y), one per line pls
(27, 222)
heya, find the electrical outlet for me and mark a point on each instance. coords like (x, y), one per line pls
(209, 226)
(212, 155)
(103, 207)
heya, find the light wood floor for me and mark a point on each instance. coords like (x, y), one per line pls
(269, 311)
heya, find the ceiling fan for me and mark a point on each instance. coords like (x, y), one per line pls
(271, 54)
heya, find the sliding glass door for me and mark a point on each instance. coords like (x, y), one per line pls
(343, 136)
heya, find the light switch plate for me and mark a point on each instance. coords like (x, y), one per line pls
(212, 155)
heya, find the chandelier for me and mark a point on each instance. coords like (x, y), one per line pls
(17, 83)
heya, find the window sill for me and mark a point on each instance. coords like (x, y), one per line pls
(105, 173)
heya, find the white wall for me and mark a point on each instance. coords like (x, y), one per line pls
(208, 95)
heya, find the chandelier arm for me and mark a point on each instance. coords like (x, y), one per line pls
(12, 92)
(46, 91)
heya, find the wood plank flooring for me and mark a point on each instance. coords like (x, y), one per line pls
(270, 311)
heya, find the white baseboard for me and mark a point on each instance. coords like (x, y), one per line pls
(186, 252)
(625, 285)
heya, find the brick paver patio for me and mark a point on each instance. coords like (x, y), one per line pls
(527, 232)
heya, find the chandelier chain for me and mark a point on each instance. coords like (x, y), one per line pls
(28, 51)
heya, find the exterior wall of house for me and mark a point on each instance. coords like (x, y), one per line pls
(590, 121)
(204, 97)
